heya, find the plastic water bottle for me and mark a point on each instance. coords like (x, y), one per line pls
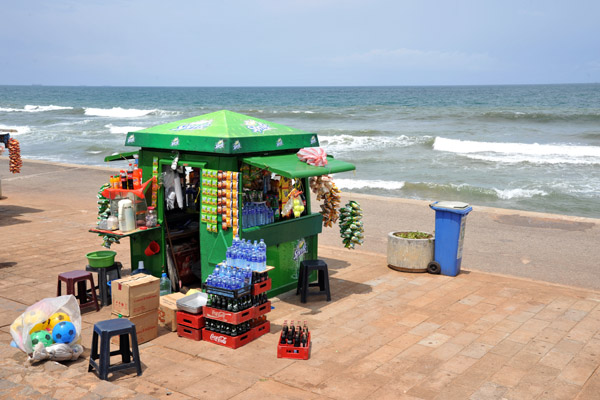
(235, 242)
(165, 285)
(228, 257)
(140, 269)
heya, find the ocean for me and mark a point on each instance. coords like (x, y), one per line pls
(528, 147)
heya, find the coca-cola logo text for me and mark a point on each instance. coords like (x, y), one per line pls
(218, 339)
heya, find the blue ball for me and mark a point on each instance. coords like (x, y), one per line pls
(64, 332)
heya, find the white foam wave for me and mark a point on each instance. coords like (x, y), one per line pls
(345, 143)
(520, 152)
(21, 130)
(94, 151)
(122, 129)
(368, 184)
(508, 194)
(34, 108)
(118, 112)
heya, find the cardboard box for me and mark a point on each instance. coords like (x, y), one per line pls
(146, 326)
(135, 295)
(167, 311)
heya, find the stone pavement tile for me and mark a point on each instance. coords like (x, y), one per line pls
(577, 371)
(584, 330)
(413, 319)
(521, 316)
(384, 354)
(219, 386)
(455, 392)
(405, 340)
(400, 384)
(569, 346)
(507, 348)
(446, 351)
(550, 335)
(269, 389)
(559, 390)
(435, 382)
(434, 340)
(345, 387)
(507, 325)
(177, 376)
(464, 338)
(307, 374)
(451, 328)
(414, 353)
(508, 376)
(591, 388)
(523, 391)
(584, 305)
(556, 359)
(562, 324)
(480, 326)
(540, 375)
(492, 337)
(489, 390)
(524, 359)
(494, 317)
(534, 325)
(458, 364)
(476, 350)
(424, 329)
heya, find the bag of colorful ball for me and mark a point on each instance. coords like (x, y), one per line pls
(58, 328)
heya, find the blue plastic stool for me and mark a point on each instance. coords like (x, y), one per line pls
(106, 330)
(306, 267)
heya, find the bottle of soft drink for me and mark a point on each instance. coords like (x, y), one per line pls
(165, 285)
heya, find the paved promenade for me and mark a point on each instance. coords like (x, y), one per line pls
(385, 334)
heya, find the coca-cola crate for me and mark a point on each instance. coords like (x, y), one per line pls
(261, 309)
(195, 321)
(261, 329)
(261, 287)
(234, 294)
(291, 351)
(233, 342)
(189, 333)
(230, 317)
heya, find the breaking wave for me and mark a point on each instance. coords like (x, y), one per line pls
(520, 152)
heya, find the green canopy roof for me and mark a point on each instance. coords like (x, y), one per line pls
(222, 132)
(290, 166)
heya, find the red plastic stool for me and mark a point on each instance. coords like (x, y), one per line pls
(79, 277)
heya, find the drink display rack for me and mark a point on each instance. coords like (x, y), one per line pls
(252, 321)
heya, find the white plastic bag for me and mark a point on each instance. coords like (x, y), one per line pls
(37, 317)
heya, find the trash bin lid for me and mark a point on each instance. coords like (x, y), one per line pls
(453, 205)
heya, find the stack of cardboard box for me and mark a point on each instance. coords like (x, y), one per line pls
(136, 298)
(167, 312)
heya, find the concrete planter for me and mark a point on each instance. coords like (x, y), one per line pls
(409, 255)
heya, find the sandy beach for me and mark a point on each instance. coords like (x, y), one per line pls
(521, 321)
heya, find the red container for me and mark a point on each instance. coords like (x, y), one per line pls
(291, 351)
(189, 333)
(228, 316)
(195, 321)
(261, 329)
(262, 309)
(261, 287)
(233, 342)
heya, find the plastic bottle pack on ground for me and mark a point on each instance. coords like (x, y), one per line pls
(49, 329)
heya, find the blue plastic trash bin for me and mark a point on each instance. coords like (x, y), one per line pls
(450, 219)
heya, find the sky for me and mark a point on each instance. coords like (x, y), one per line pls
(298, 42)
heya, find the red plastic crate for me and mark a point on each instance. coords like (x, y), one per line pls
(189, 333)
(228, 316)
(233, 342)
(195, 321)
(291, 351)
(261, 287)
(262, 309)
(261, 329)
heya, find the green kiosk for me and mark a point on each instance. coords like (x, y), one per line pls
(257, 160)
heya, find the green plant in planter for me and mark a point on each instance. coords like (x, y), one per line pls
(413, 235)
